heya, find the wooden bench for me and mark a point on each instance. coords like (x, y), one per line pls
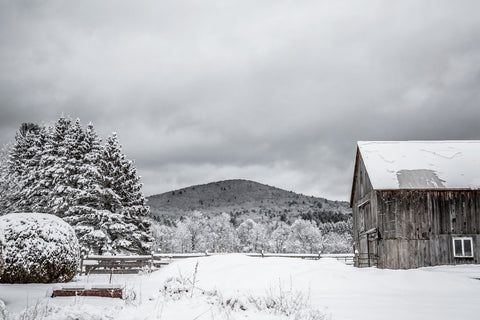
(107, 292)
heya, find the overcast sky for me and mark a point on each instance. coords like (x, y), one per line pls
(267, 90)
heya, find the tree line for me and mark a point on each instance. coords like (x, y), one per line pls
(197, 233)
(65, 170)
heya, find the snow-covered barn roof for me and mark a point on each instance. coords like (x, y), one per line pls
(422, 164)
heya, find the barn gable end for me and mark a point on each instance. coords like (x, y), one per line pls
(418, 220)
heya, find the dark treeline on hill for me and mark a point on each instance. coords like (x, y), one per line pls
(246, 216)
(244, 199)
(65, 170)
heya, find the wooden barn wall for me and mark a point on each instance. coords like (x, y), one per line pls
(363, 205)
(416, 226)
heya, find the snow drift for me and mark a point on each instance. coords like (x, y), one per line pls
(38, 248)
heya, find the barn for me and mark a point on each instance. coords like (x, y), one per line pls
(416, 203)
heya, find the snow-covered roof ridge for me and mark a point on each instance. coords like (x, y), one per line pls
(422, 164)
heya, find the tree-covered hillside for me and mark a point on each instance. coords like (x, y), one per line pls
(244, 199)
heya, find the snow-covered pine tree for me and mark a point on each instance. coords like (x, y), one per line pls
(64, 170)
(86, 194)
(119, 176)
(24, 168)
(7, 185)
(53, 181)
(86, 176)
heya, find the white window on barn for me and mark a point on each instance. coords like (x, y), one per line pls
(462, 247)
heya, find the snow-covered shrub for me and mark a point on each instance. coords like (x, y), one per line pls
(38, 248)
(2, 241)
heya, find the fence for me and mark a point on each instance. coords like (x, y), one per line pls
(135, 264)
(347, 258)
(115, 264)
(91, 264)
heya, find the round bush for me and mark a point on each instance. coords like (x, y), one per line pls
(1, 252)
(38, 248)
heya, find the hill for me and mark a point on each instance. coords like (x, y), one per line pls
(244, 199)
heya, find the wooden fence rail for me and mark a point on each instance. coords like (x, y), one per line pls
(91, 264)
(347, 258)
(115, 264)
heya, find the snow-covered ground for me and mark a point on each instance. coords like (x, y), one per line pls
(235, 286)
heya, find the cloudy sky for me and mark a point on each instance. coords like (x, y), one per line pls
(273, 91)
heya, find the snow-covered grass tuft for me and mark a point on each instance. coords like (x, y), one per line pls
(178, 286)
(175, 288)
(294, 304)
(47, 311)
(40, 310)
(130, 296)
(290, 303)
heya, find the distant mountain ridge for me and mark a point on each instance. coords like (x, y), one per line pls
(244, 199)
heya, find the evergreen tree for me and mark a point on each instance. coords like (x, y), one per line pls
(24, 168)
(64, 170)
(86, 212)
(53, 180)
(101, 217)
(7, 185)
(123, 196)
(121, 176)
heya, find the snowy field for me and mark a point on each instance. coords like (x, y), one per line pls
(235, 286)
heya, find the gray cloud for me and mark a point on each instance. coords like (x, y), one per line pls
(274, 91)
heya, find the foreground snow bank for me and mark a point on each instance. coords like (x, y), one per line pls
(238, 287)
(38, 248)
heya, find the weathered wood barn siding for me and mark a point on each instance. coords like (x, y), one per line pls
(364, 215)
(410, 228)
(416, 227)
